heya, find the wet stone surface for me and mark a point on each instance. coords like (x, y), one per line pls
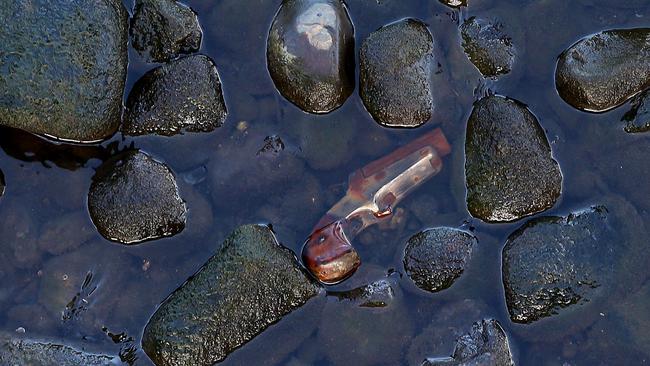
(163, 29)
(486, 344)
(435, 258)
(310, 54)
(637, 119)
(251, 283)
(134, 198)
(487, 46)
(378, 294)
(602, 71)
(184, 95)
(63, 67)
(509, 170)
(17, 351)
(552, 263)
(396, 63)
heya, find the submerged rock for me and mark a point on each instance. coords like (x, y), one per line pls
(56, 237)
(552, 263)
(14, 351)
(251, 283)
(396, 64)
(273, 145)
(445, 323)
(163, 29)
(487, 46)
(134, 198)
(366, 335)
(63, 67)
(184, 95)
(486, 344)
(638, 117)
(604, 70)
(310, 53)
(378, 294)
(509, 170)
(435, 258)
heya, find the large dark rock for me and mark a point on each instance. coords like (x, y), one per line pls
(486, 344)
(638, 117)
(487, 46)
(16, 351)
(134, 198)
(602, 71)
(63, 67)
(184, 95)
(310, 53)
(435, 258)
(396, 64)
(552, 263)
(251, 283)
(509, 170)
(163, 29)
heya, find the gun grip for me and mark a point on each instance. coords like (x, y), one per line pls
(329, 255)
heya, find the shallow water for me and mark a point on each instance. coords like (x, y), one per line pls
(49, 245)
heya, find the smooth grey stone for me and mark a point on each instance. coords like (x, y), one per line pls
(509, 170)
(310, 54)
(163, 29)
(184, 95)
(435, 258)
(486, 344)
(552, 263)
(604, 70)
(134, 198)
(25, 352)
(63, 67)
(251, 283)
(487, 46)
(396, 65)
(638, 117)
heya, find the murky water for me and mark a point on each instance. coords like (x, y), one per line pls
(62, 280)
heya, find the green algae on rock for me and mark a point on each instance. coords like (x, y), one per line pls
(184, 95)
(163, 29)
(310, 54)
(63, 67)
(486, 344)
(435, 258)
(18, 351)
(604, 70)
(251, 283)
(509, 170)
(487, 46)
(134, 198)
(396, 64)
